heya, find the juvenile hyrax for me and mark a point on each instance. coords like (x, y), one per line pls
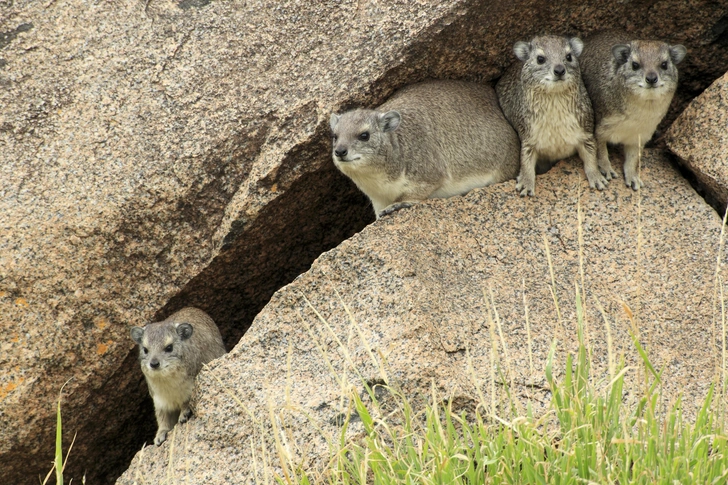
(631, 83)
(433, 139)
(171, 353)
(544, 98)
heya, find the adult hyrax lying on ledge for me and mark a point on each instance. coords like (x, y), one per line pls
(631, 84)
(171, 353)
(544, 98)
(433, 139)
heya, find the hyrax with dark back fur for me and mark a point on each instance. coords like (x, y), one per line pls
(544, 98)
(631, 83)
(171, 353)
(433, 139)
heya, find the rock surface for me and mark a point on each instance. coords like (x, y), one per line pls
(699, 137)
(156, 154)
(415, 282)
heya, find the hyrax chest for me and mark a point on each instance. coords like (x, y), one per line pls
(554, 128)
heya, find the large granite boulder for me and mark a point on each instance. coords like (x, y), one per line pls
(419, 285)
(156, 154)
(699, 138)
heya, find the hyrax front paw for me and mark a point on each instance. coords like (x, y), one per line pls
(185, 415)
(597, 180)
(633, 181)
(608, 172)
(393, 208)
(161, 437)
(526, 188)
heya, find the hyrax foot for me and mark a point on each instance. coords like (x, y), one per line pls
(185, 415)
(633, 181)
(161, 437)
(393, 208)
(525, 188)
(597, 180)
(608, 172)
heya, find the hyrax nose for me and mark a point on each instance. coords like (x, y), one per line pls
(651, 77)
(154, 363)
(341, 152)
(559, 70)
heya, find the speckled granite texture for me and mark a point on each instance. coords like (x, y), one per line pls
(414, 283)
(699, 137)
(162, 153)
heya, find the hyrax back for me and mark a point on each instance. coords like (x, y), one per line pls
(631, 83)
(433, 139)
(171, 353)
(543, 96)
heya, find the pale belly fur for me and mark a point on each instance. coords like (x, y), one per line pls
(457, 187)
(555, 132)
(171, 392)
(636, 124)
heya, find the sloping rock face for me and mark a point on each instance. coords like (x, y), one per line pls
(415, 283)
(165, 153)
(699, 137)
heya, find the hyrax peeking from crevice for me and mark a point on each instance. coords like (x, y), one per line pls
(544, 98)
(171, 353)
(433, 139)
(631, 83)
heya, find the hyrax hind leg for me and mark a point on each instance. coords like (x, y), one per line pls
(165, 422)
(588, 154)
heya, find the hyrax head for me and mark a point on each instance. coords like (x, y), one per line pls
(550, 62)
(648, 67)
(162, 346)
(358, 136)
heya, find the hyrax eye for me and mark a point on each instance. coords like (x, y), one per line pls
(663, 65)
(540, 59)
(146, 350)
(334, 137)
(364, 136)
(635, 66)
(168, 348)
(568, 57)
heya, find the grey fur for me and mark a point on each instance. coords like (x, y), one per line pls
(551, 112)
(178, 346)
(628, 108)
(433, 139)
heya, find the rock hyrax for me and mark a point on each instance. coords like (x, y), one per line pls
(171, 353)
(433, 139)
(544, 98)
(631, 83)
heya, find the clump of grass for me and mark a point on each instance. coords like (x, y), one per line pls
(59, 463)
(589, 436)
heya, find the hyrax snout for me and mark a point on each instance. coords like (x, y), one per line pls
(433, 139)
(171, 353)
(543, 96)
(631, 84)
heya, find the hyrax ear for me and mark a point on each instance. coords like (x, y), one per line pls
(621, 53)
(577, 46)
(184, 330)
(522, 50)
(137, 333)
(389, 121)
(334, 120)
(677, 53)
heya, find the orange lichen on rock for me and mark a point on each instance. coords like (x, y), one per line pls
(10, 387)
(103, 347)
(22, 302)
